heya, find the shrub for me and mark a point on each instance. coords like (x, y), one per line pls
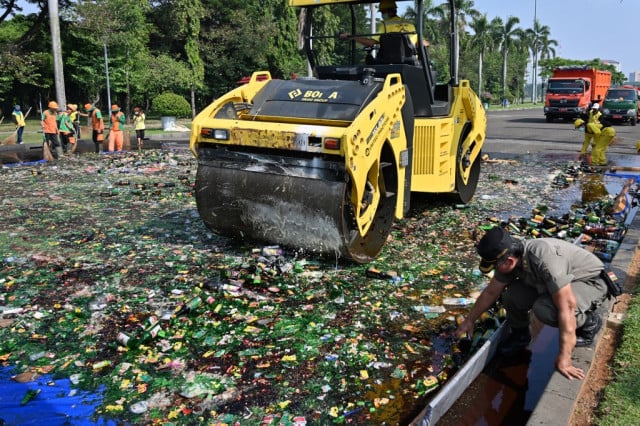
(171, 105)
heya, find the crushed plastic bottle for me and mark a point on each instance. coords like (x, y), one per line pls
(430, 311)
(272, 251)
(458, 301)
(36, 356)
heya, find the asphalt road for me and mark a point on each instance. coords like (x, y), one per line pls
(521, 132)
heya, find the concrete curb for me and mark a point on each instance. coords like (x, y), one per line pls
(558, 400)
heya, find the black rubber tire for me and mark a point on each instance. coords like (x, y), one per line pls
(365, 249)
(466, 191)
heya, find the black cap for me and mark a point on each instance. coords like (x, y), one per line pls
(492, 246)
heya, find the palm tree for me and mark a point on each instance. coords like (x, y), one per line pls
(541, 46)
(482, 40)
(521, 47)
(464, 10)
(547, 50)
(431, 20)
(507, 36)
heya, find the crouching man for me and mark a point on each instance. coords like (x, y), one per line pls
(559, 281)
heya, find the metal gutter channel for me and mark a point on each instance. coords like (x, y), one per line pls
(460, 381)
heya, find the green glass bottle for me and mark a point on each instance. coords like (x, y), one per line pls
(31, 394)
(189, 306)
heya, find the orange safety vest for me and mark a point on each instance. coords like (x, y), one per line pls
(115, 121)
(49, 123)
(96, 123)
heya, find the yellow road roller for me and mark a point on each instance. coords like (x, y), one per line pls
(325, 163)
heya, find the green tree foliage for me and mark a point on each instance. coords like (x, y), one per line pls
(537, 40)
(241, 37)
(431, 25)
(170, 105)
(120, 27)
(21, 67)
(328, 23)
(206, 46)
(482, 41)
(162, 73)
(508, 35)
(186, 17)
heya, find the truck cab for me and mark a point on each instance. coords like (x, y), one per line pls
(566, 97)
(621, 105)
(572, 89)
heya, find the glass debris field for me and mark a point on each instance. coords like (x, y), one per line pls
(109, 279)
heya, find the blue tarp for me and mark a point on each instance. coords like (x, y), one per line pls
(56, 404)
(635, 177)
(24, 163)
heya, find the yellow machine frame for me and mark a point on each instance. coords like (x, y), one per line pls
(444, 149)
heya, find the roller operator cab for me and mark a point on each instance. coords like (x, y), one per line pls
(326, 163)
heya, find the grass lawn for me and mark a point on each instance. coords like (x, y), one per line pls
(620, 404)
(33, 133)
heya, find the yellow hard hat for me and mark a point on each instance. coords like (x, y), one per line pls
(579, 122)
(387, 4)
(52, 105)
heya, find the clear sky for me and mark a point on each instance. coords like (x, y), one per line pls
(584, 29)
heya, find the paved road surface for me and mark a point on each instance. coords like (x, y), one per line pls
(526, 132)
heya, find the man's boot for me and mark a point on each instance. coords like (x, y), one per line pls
(517, 341)
(589, 330)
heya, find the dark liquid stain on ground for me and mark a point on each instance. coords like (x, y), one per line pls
(508, 390)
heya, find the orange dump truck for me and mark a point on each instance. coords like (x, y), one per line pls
(571, 89)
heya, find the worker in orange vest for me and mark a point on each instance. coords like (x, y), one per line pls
(50, 128)
(116, 138)
(97, 124)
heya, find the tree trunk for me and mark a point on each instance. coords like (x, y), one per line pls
(58, 70)
(480, 94)
(504, 73)
(193, 102)
(534, 86)
(127, 102)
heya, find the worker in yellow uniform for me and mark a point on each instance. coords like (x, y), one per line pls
(592, 126)
(391, 23)
(74, 114)
(19, 121)
(602, 142)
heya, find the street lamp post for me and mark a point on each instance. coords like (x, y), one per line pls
(534, 65)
